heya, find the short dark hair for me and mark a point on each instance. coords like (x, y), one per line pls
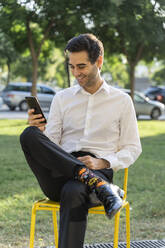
(86, 42)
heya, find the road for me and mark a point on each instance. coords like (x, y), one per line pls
(5, 113)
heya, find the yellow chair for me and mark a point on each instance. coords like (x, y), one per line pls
(48, 205)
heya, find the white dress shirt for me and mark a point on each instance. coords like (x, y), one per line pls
(103, 123)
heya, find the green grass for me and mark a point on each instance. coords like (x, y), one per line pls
(19, 189)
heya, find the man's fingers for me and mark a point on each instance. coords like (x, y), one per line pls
(30, 111)
(84, 159)
(94, 163)
(88, 161)
(37, 122)
(34, 117)
(80, 158)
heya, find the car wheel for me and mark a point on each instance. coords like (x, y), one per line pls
(12, 108)
(23, 106)
(155, 113)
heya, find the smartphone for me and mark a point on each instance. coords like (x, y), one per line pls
(33, 103)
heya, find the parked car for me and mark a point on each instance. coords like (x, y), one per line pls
(14, 95)
(156, 93)
(145, 106)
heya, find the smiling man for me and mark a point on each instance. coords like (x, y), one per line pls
(91, 132)
(87, 74)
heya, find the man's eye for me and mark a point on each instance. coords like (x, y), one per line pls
(81, 66)
(71, 66)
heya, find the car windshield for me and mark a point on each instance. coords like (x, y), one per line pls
(139, 97)
(11, 87)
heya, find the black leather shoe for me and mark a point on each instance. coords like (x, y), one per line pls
(119, 191)
(108, 194)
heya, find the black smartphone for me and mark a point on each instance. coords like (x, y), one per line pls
(33, 103)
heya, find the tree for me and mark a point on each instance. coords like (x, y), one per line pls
(159, 76)
(7, 53)
(114, 66)
(132, 28)
(31, 23)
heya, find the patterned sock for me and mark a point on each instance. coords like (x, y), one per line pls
(87, 177)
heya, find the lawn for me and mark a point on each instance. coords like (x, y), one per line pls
(19, 190)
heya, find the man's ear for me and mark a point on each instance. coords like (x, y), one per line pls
(99, 62)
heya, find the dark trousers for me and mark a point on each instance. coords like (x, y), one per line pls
(54, 169)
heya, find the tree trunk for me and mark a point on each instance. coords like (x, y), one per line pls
(34, 76)
(67, 71)
(35, 53)
(132, 79)
(34, 59)
(8, 73)
(132, 65)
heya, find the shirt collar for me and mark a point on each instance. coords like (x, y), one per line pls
(76, 89)
(104, 87)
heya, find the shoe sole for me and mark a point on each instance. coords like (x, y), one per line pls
(113, 211)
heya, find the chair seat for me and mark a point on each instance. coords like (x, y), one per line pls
(48, 205)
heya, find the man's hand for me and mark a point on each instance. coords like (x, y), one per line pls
(94, 163)
(35, 120)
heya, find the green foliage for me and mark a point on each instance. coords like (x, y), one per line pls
(7, 53)
(159, 76)
(115, 66)
(132, 28)
(55, 69)
(38, 26)
(7, 50)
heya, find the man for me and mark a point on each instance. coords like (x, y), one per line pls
(91, 132)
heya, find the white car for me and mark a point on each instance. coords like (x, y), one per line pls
(14, 95)
(145, 106)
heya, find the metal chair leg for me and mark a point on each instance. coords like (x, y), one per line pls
(116, 230)
(32, 227)
(128, 225)
(55, 224)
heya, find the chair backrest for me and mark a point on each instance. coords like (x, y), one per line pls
(125, 182)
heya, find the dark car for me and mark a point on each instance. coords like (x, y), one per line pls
(14, 95)
(156, 93)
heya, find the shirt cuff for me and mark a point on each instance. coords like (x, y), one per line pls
(113, 162)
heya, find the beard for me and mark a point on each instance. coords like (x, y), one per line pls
(89, 80)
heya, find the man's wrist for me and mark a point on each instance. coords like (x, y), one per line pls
(106, 163)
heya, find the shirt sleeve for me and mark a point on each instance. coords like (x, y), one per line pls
(129, 147)
(54, 125)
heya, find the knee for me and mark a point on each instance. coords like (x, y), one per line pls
(74, 193)
(27, 134)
